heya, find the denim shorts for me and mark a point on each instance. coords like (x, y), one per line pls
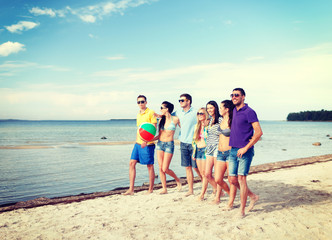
(186, 155)
(200, 154)
(145, 155)
(212, 150)
(223, 156)
(240, 166)
(167, 147)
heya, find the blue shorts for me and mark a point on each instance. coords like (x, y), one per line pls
(145, 155)
(240, 166)
(212, 150)
(200, 153)
(186, 155)
(223, 156)
(167, 147)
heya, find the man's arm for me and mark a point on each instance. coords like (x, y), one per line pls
(257, 135)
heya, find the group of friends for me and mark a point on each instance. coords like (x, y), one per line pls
(213, 137)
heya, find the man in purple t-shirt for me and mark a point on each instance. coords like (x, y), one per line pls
(245, 132)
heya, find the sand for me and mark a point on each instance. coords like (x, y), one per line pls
(295, 203)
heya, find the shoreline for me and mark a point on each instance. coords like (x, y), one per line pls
(176, 141)
(268, 167)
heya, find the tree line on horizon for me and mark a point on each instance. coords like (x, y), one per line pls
(322, 115)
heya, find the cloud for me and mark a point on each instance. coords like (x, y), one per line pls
(10, 48)
(90, 14)
(298, 82)
(45, 11)
(115, 58)
(12, 67)
(228, 22)
(88, 18)
(21, 26)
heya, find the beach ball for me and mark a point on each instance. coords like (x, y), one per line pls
(147, 131)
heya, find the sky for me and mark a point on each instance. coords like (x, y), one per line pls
(89, 60)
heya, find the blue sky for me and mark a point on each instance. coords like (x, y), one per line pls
(89, 60)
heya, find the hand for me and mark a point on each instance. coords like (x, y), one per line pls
(157, 115)
(241, 151)
(144, 144)
(193, 158)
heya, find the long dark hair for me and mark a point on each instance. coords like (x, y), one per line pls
(230, 106)
(216, 111)
(170, 107)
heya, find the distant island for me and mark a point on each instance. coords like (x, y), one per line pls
(322, 115)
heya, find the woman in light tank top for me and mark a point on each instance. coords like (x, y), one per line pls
(165, 145)
(199, 141)
(226, 110)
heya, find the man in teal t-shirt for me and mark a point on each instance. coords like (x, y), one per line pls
(188, 120)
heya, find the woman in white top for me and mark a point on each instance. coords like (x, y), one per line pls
(211, 146)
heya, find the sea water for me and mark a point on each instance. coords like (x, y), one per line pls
(60, 165)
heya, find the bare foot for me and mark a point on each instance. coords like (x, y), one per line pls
(241, 215)
(215, 201)
(227, 208)
(164, 191)
(253, 201)
(188, 194)
(129, 192)
(148, 192)
(200, 197)
(179, 186)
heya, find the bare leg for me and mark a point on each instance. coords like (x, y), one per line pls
(164, 168)
(232, 191)
(201, 167)
(190, 180)
(160, 156)
(208, 172)
(151, 177)
(132, 176)
(241, 183)
(204, 188)
(220, 169)
(198, 173)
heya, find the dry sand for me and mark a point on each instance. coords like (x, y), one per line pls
(295, 203)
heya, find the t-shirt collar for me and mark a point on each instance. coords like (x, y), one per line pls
(243, 108)
(190, 109)
(143, 112)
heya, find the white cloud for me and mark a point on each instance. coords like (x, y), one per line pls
(299, 82)
(92, 36)
(228, 22)
(21, 26)
(45, 11)
(11, 67)
(115, 58)
(88, 18)
(91, 13)
(8, 48)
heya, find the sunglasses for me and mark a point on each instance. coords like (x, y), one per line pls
(181, 100)
(140, 102)
(200, 113)
(161, 108)
(235, 95)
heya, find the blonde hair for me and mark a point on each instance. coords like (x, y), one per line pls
(199, 124)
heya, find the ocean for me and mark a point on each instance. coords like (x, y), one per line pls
(62, 158)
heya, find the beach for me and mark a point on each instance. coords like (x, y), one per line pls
(295, 203)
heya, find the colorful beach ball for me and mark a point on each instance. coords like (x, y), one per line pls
(147, 131)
